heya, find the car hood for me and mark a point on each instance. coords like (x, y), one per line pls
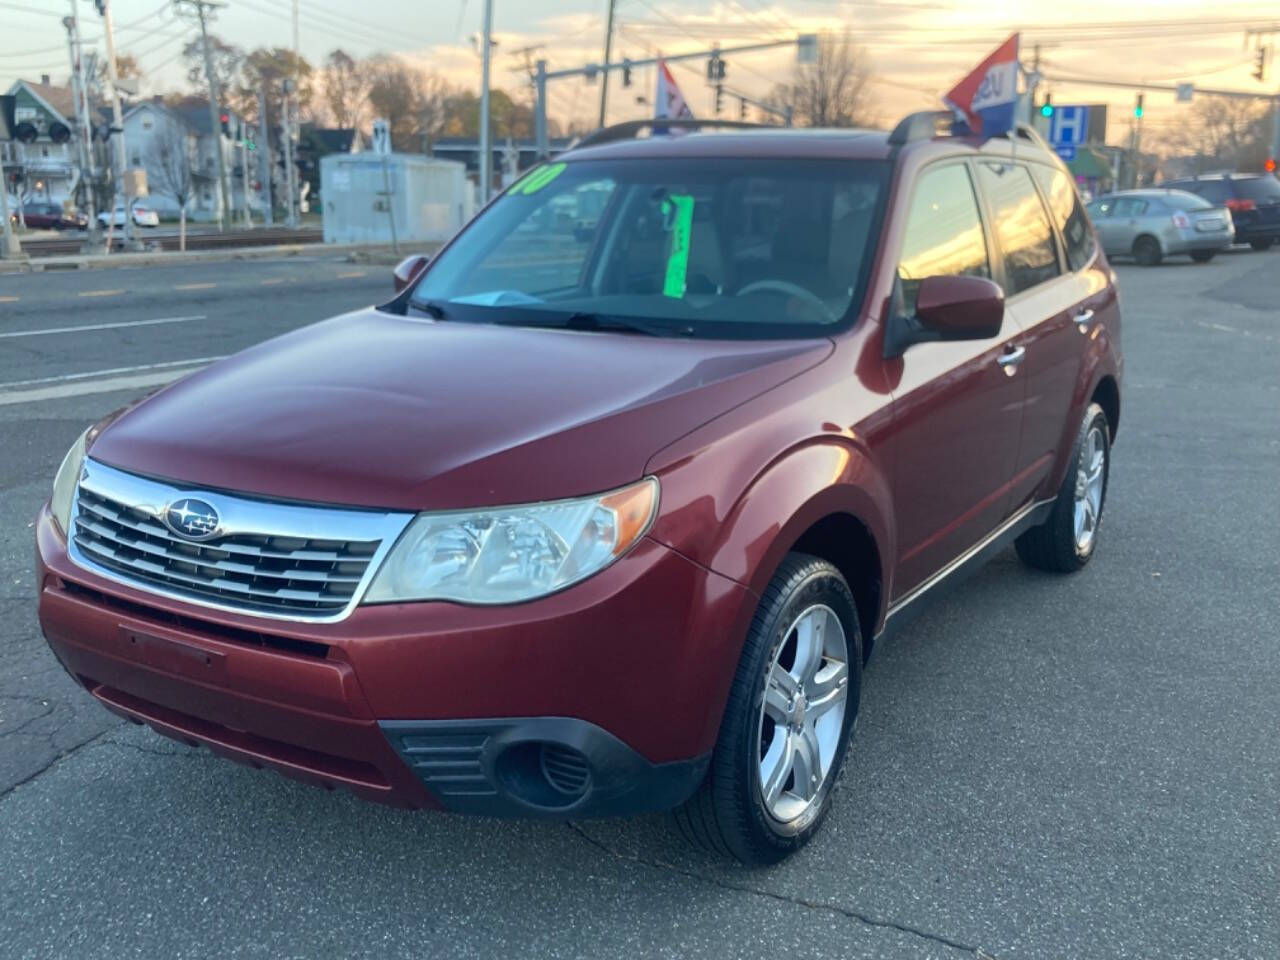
(379, 410)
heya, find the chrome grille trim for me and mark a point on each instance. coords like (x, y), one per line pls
(281, 561)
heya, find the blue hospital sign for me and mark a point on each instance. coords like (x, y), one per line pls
(1069, 127)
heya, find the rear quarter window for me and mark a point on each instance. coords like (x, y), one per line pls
(1259, 188)
(1181, 200)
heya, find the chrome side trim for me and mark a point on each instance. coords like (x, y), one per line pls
(960, 561)
(240, 515)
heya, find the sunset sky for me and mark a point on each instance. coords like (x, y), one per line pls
(916, 48)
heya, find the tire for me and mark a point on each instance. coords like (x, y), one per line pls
(1203, 256)
(1261, 244)
(1058, 545)
(1146, 250)
(729, 814)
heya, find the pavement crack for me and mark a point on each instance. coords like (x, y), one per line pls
(53, 761)
(818, 905)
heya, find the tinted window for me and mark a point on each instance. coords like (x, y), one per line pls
(944, 232)
(1101, 208)
(1181, 200)
(719, 247)
(1077, 234)
(1130, 207)
(1021, 225)
(1259, 188)
(1215, 191)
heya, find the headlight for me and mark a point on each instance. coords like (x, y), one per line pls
(510, 554)
(64, 484)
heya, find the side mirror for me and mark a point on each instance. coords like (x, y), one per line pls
(407, 271)
(947, 308)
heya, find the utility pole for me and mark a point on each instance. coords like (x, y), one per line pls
(203, 8)
(295, 30)
(290, 171)
(540, 111)
(486, 151)
(608, 48)
(264, 157)
(84, 133)
(118, 158)
(1033, 81)
(244, 170)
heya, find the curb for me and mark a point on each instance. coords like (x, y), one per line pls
(374, 254)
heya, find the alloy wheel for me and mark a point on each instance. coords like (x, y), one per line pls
(1090, 479)
(802, 713)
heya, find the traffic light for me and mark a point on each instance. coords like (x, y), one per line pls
(742, 108)
(626, 73)
(1046, 108)
(250, 138)
(720, 68)
(719, 98)
(1270, 165)
(226, 124)
(1137, 107)
(1260, 64)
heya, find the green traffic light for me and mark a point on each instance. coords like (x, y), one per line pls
(1046, 110)
(1137, 112)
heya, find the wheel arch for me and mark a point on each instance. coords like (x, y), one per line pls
(1107, 395)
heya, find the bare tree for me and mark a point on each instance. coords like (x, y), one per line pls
(395, 94)
(170, 170)
(1223, 132)
(345, 82)
(226, 57)
(832, 91)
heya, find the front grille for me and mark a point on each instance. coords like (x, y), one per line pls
(273, 559)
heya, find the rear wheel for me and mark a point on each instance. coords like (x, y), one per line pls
(1203, 256)
(787, 724)
(1066, 541)
(1261, 244)
(1146, 250)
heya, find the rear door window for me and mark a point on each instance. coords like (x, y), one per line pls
(1021, 225)
(1130, 207)
(1077, 235)
(1215, 191)
(944, 232)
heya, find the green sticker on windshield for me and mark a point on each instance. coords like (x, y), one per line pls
(538, 179)
(677, 213)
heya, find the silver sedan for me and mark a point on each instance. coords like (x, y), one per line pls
(1150, 225)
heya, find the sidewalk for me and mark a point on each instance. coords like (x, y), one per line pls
(357, 253)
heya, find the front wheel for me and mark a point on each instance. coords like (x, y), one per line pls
(1066, 541)
(787, 724)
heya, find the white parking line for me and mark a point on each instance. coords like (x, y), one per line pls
(100, 326)
(98, 381)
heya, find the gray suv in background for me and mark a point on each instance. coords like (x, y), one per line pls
(1150, 225)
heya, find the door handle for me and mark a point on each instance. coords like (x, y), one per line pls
(1083, 319)
(1011, 358)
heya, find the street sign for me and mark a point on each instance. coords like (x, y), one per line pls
(1184, 92)
(1067, 151)
(807, 48)
(381, 136)
(1070, 126)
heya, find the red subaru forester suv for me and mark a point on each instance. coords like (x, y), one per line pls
(606, 510)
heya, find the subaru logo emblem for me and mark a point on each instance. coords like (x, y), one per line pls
(190, 518)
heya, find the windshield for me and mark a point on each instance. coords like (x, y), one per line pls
(1265, 189)
(696, 247)
(1181, 200)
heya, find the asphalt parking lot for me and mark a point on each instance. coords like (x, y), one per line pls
(1052, 768)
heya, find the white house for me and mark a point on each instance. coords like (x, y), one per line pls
(152, 127)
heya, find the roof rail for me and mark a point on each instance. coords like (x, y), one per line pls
(630, 129)
(1025, 131)
(922, 125)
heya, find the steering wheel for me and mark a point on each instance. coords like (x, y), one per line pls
(793, 289)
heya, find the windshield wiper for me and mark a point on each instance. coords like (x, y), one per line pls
(429, 307)
(584, 320)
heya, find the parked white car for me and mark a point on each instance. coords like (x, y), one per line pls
(143, 216)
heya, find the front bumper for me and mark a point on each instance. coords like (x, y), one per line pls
(624, 675)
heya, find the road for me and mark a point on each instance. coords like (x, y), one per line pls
(1045, 767)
